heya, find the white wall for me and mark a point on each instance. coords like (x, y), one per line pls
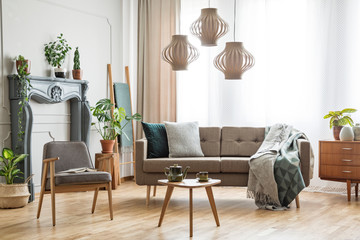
(96, 26)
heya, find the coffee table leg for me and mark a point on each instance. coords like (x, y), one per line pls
(191, 210)
(169, 191)
(212, 204)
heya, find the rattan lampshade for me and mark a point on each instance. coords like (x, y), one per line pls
(209, 27)
(234, 60)
(179, 53)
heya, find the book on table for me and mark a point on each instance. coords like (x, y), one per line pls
(79, 170)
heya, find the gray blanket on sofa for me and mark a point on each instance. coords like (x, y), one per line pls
(275, 177)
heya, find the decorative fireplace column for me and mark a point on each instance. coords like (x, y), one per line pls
(48, 90)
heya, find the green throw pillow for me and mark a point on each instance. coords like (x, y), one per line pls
(155, 134)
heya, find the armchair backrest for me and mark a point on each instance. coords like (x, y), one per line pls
(71, 154)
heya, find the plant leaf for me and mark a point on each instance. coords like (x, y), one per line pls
(348, 110)
(8, 153)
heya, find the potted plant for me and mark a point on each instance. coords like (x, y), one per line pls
(23, 81)
(77, 72)
(110, 125)
(12, 195)
(55, 53)
(338, 120)
(25, 63)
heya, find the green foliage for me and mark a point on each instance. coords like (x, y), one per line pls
(55, 52)
(9, 168)
(109, 125)
(76, 59)
(337, 118)
(24, 86)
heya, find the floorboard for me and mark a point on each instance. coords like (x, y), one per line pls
(321, 216)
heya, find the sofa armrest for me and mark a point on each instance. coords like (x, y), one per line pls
(306, 160)
(141, 155)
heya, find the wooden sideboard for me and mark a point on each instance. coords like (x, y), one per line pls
(340, 161)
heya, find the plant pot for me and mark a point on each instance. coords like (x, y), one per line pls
(346, 134)
(336, 132)
(60, 72)
(19, 62)
(14, 195)
(107, 146)
(77, 74)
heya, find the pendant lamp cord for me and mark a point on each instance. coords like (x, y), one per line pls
(234, 18)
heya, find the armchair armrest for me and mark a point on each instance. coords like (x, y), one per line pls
(50, 159)
(306, 160)
(141, 155)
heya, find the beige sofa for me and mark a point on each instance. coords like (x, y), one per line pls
(227, 151)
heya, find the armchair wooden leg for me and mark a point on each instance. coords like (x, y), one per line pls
(43, 183)
(297, 201)
(110, 200)
(154, 193)
(52, 187)
(94, 200)
(148, 190)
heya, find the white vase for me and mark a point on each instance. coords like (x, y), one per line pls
(346, 134)
(356, 130)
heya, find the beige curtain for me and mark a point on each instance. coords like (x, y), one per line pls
(156, 86)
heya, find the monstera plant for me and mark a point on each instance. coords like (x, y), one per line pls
(110, 123)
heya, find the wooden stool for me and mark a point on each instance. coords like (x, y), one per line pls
(114, 166)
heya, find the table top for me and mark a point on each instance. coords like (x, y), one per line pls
(190, 183)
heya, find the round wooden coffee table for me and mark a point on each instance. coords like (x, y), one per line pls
(190, 184)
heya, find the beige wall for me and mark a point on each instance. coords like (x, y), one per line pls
(96, 26)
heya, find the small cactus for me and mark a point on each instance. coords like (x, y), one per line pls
(76, 59)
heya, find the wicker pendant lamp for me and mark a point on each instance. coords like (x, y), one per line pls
(179, 53)
(234, 60)
(209, 27)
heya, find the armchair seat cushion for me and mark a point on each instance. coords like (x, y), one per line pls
(235, 164)
(79, 178)
(196, 164)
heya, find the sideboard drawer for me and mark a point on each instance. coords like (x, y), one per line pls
(340, 148)
(340, 159)
(340, 172)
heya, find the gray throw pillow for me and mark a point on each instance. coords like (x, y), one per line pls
(183, 139)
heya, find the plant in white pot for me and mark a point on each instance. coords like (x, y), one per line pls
(109, 124)
(55, 53)
(12, 195)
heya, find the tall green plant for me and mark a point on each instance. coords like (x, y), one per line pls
(55, 52)
(337, 118)
(24, 86)
(76, 59)
(109, 125)
(9, 168)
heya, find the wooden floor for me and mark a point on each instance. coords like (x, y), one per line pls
(321, 216)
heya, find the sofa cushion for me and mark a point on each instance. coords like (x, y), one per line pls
(196, 164)
(234, 164)
(210, 141)
(241, 141)
(183, 139)
(155, 134)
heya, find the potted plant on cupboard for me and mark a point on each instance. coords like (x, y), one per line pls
(109, 123)
(55, 53)
(77, 72)
(12, 195)
(338, 119)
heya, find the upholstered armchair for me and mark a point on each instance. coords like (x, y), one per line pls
(60, 156)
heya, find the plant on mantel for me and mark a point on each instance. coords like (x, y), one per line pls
(24, 85)
(109, 124)
(77, 72)
(55, 53)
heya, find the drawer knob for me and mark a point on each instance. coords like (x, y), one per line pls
(346, 171)
(347, 149)
(346, 160)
